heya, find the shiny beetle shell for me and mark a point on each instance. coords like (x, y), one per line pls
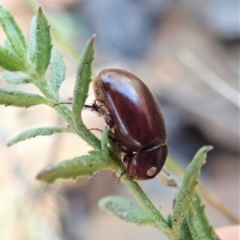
(135, 116)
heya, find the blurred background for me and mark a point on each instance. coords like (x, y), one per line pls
(188, 54)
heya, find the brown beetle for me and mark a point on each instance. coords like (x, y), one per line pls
(133, 113)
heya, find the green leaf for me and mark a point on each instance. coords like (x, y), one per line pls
(37, 132)
(198, 223)
(83, 166)
(13, 33)
(113, 146)
(125, 209)
(8, 45)
(57, 70)
(10, 61)
(83, 78)
(40, 43)
(15, 78)
(169, 219)
(95, 153)
(110, 150)
(104, 144)
(186, 193)
(20, 99)
(185, 231)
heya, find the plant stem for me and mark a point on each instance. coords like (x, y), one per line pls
(160, 222)
(76, 124)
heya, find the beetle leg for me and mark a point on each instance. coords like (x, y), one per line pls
(59, 103)
(99, 109)
(97, 129)
(127, 160)
(128, 157)
(125, 171)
